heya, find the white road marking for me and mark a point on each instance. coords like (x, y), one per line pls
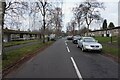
(66, 44)
(76, 68)
(68, 49)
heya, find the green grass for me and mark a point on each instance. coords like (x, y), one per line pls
(0, 65)
(110, 50)
(13, 43)
(106, 39)
(15, 55)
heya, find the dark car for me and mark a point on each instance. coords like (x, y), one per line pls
(76, 38)
(69, 37)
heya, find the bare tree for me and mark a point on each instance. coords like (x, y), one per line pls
(73, 24)
(69, 28)
(51, 16)
(42, 5)
(14, 10)
(15, 7)
(3, 14)
(9, 8)
(57, 19)
(77, 12)
(84, 30)
(34, 15)
(91, 11)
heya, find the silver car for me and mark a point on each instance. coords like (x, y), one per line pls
(89, 43)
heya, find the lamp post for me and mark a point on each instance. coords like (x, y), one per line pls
(111, 37)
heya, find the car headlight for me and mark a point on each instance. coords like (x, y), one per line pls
(100, 46)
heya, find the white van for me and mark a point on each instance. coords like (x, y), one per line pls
(52, 37)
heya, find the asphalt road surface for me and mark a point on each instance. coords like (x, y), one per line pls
(64, 60)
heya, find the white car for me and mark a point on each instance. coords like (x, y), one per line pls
(89, 43)
(52, 37)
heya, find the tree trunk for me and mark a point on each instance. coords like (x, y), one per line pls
(44, 24)
(88, 29)
(73, 31)
(3, 14)
(43, 30)
(79, 28)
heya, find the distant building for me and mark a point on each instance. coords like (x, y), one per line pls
(11, 35)
(110, 32)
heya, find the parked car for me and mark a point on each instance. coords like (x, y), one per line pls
(52, 37)
(89, 43)
(69, 37)
(76, 38)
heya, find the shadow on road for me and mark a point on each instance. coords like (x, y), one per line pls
(93, 52)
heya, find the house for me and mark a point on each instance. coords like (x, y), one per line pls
(11, 35)
(110, 32)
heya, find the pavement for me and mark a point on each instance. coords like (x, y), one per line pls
(64, 60)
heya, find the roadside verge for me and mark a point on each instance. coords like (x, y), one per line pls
(16, 58)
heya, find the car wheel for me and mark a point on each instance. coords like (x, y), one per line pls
(78, 46)
(74, 42)
(83, 50)
(100, 52)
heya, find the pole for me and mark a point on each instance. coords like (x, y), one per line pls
(111, 38)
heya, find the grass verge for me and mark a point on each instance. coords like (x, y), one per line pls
(106, 39)
(15, 55)
(110, 50)
(0, 65)
(13, 43)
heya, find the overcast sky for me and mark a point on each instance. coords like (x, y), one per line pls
(110, 13)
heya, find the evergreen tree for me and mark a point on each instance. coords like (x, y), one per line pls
(104, 26)
(111, 25)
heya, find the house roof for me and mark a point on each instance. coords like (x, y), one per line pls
(18, 32)
(107, 29)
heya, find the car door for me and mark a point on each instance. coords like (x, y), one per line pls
(80, 42)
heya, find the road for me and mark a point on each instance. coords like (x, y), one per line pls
(64, 60)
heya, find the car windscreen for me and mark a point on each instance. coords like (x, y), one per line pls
(77, 37)
(89, 40)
